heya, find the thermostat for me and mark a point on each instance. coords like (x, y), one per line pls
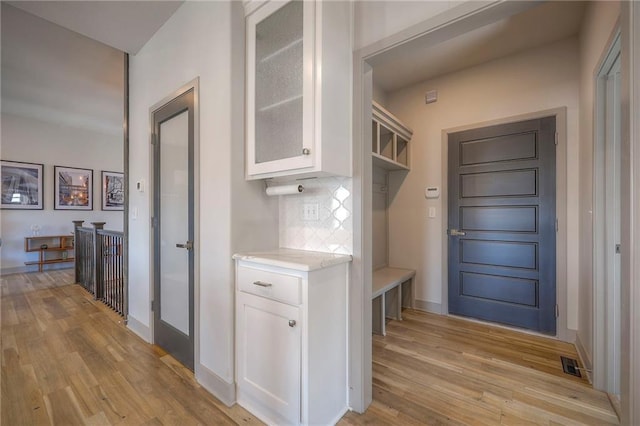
(432, 192)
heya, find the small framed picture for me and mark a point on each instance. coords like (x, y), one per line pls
(73, 188)
(112, 190)
(22, 185)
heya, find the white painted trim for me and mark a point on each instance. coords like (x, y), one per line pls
(602, 365)
(584, 358)
(224, 391)
(630, 269)
(425, 305)
(562, 332)
(143, 331)
(360, 320)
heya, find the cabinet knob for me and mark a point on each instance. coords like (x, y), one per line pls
(306, 151)
(292, 323)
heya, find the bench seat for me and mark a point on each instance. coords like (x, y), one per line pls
(391, 291)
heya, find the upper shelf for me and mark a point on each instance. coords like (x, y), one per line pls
(390, 143)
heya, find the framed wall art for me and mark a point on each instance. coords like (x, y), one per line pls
(112, 190)
(73, 188)
(22, 185)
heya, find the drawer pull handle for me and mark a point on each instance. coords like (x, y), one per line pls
(292, 323)
(261, 284)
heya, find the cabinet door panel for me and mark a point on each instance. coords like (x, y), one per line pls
(280, 78)
(269, 350)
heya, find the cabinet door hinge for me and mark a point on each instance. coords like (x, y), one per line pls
(557, 311)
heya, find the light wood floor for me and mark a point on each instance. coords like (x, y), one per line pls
(431, 369)
(68, 360)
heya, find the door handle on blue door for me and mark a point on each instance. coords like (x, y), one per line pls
(188, 245)
(457, 233)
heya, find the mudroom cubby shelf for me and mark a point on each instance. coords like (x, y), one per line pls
(50, 248)
(390, 140)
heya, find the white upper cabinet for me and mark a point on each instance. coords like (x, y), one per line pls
(298, 89)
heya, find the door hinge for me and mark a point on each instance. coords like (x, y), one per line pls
(557, 311)
(556, 224)
(154, 139)
(153, 306)
(154, 222)
(618, 249)
(556, 138)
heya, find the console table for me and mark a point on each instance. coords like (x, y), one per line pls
(50, 248)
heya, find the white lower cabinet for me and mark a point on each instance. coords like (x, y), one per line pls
(269, 352)
(291, 343)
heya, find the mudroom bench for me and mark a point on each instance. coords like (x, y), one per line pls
(392, 290)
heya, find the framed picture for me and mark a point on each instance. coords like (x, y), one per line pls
(112, 190)
(73, 188)
(22, 185)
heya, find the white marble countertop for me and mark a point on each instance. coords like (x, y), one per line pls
(301, 260)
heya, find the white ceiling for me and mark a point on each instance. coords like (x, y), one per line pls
(537, 26)
(128, 25)
(124, 25)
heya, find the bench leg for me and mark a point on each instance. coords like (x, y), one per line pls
(408, 296)
(377, 311)
(393, 298)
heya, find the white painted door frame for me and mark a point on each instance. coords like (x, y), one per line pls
(630, 213)
(606, 222)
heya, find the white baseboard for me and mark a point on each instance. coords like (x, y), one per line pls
(585, 359)
(140, 329)
(225, 392)
(431, 307)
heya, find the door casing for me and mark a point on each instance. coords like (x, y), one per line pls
(195, 86)
(606, 374)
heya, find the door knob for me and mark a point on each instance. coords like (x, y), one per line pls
(188, 245)
(457, 233)
(292, 323)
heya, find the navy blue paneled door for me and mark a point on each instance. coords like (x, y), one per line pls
(502, 224)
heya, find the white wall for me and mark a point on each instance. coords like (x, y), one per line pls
(57, 112)
(537, 80)
(375, 20)
(205, 40)
(598, 26)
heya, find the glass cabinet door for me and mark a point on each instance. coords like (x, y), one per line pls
(280, 73)
(278, 112)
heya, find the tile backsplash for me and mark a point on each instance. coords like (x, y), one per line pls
(333, 231)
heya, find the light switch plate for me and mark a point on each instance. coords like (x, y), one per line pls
(310, 211)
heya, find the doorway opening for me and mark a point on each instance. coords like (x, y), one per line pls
(424, 215)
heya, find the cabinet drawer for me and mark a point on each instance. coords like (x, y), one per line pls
(284, 288)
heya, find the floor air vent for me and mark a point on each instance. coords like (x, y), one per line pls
(570, 366)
